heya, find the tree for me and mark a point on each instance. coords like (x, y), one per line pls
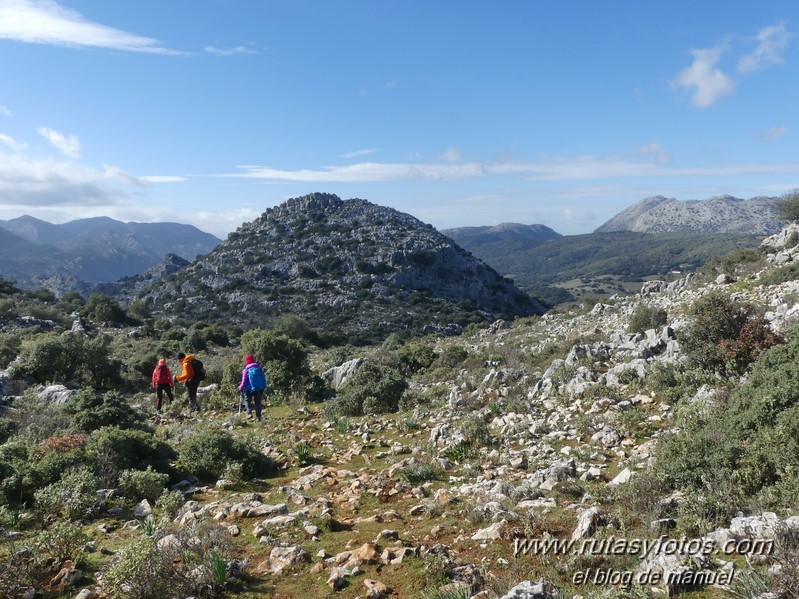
(788, 207)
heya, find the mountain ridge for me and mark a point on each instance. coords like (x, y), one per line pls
(718, 214)
(83, 252)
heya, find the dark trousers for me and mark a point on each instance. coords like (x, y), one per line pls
(191, 390)
(159, 394)
(254, 399)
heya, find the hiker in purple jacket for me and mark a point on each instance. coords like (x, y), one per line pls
(253, 385)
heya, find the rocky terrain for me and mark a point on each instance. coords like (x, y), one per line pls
(349, 267)
(721, 214)
(518, 436)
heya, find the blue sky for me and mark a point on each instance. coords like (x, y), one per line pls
(459, 112)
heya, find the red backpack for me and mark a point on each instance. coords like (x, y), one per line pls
(162, 375)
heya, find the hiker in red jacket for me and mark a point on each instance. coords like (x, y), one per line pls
(162, 381)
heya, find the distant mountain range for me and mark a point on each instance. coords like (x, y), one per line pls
(350, 268)
(87, 251)
(335, 254)
(722, 214)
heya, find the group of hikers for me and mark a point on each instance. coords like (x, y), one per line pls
(253, 383)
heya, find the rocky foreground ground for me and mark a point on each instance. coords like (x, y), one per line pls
(518, 477)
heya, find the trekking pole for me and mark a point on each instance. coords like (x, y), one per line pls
(241, 399)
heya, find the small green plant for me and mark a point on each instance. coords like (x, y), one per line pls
(461, 452)
(417, 472)
(302, 451)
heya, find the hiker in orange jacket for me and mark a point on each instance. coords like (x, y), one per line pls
(189, 378)
(162, 381)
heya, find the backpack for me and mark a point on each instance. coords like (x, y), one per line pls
(256, 377)
(162, 374)
(199, 370)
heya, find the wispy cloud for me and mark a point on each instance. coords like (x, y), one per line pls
(655, 150)
(46, 22)
(163, 178)
(4, 111)
(771, 42)
(391, 84)
(359, 153)
(773, 133)
(229, 51)
(576, 168)
(450, 155)
(12, 143)
(69, 146)
(709, 83)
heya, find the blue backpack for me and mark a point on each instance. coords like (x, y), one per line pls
(256, 378)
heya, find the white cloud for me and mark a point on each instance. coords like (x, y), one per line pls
(12, 143)
(450, 155)
(390, 84)
(229, 51)
(4, 111)
(163, 179)
(774, 133)
(655, 150)
(709, 83)
(25, 181)
(46, 22)
(68, 145)
(771, 42)
(359, 153)
(575, 168)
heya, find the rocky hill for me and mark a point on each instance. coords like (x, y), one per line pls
(350, 268)
(83, 252)
(721, 214)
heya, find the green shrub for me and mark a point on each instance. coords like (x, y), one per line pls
(452, 356)
(74, 496)
(373, 389)
(61, 541)
(143, 484)
(414, 357)
(91, 410)
(646, 317)
(26, 468)
(788, 207)
(752, 438)
(70, 359)
(113, 450)
(169, 503)
(725, 335)
(193, 563)
(476, 432)
(205, 453)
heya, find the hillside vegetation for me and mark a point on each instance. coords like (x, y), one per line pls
(601, 264)
(655, 432)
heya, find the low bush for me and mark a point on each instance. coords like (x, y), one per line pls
(206, 453)
(90, 410)
(725, 336)
(113, 450)
(143, 484)
(374, 389)
(750, 439)
(74, 496)
(646, 317)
